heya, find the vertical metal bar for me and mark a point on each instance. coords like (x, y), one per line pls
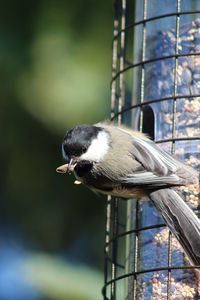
(136, 251)
(114, 249)
(173, 136)
(141, 122)
(113, 99)
(175, 75)
(143, 59)
(122, 56)
(121, 99)
(114, 56)
(107, 239)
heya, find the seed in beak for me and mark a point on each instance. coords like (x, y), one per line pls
(62, 169)
(67, 168)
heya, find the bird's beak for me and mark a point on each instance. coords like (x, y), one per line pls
(67, 168)
(71, 165)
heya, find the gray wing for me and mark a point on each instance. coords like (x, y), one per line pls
(159, 168)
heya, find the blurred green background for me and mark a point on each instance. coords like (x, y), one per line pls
(55, 70)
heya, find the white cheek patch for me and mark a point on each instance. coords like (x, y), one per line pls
(98, 148)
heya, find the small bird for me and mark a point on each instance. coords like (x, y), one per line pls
(120, 162)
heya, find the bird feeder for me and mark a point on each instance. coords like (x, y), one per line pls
(155, 89)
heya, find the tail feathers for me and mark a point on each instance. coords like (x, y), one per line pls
(181, 220)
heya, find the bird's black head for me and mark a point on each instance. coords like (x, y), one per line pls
(78, 139)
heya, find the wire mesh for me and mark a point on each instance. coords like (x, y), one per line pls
(155, 88)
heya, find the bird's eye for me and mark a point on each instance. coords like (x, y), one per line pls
(84, 149)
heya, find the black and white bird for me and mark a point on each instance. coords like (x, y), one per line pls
(124, 163)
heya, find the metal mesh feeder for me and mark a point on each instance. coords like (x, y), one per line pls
(155, 89)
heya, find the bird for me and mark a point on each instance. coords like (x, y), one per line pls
(118, 161)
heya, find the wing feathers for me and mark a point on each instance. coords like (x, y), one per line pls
(144, 162)
(153, 158)
(148, 178)
(162, 169)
